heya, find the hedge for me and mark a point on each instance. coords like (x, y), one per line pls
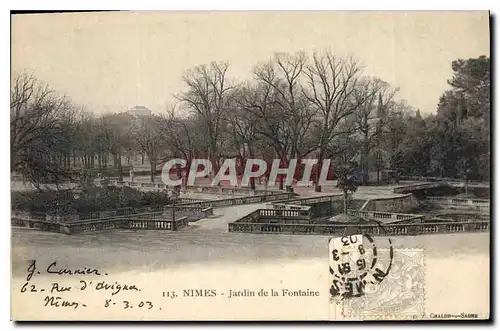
(91, 199)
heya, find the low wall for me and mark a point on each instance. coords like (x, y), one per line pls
(241, 200)
(442, 179)
(460, 203)
(192, 214)
(287, 206)
(414, 187)
(152, 221)
(226, 190)
(401, 204)
(195, 189)
(280, 214)
(386, 216)
(374, 230)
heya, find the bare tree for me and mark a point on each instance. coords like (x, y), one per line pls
(207, 96)
(40, 132)
(86, 130)
(148, 134)
(290, 119)
(244, 121)
(332, 82)
(117, 137)
(182, 136)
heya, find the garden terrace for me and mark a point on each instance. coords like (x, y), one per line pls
(347, 229)
(152, 217)
(313, 221)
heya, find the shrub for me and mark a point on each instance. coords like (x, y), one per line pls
(90, 199)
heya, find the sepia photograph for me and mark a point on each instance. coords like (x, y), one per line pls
(250, 166)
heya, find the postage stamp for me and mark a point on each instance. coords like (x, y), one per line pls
(368, 283)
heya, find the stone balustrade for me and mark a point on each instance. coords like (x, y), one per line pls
(413, 187)
(287, 206)
(384, 215)
(284, 213)
(459, 202)
(441, 179)
(147, 221)
(347, 229)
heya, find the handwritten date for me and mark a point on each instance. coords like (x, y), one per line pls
(128, 304)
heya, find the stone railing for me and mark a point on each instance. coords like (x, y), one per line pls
(398, 204)
(374, 230)
(462, 217)
(253, 217)
(413, 187)
(284, 213)
(113, 213)
(188, 200)
(393, 217)
(195, 189)
(460, 202)
(192, 213)
(118, 183)
(152, 221)
(441, 179)
(241, 200)
(147, 221)
(287, 206)
(226, 190)
(312, 200)
(181, 210)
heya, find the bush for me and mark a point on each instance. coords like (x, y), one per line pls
(90, 199)
(44, 202)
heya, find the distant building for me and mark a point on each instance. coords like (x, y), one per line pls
(140, 111)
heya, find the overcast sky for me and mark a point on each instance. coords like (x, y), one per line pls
(114, 61)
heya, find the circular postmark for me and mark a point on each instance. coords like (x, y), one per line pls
(378, 281)
(354, 266)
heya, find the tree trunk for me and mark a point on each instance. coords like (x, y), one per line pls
(345, 201)
(378, 171)
(252, 156)
(366, 150)
(289, 188)
(252, 183)
(152, 163)
(178, 171)
(120, 168)
(321, 156)
(99, 160)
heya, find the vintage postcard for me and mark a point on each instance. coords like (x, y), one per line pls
(239, 166)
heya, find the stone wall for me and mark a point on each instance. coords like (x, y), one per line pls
(402, 204)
